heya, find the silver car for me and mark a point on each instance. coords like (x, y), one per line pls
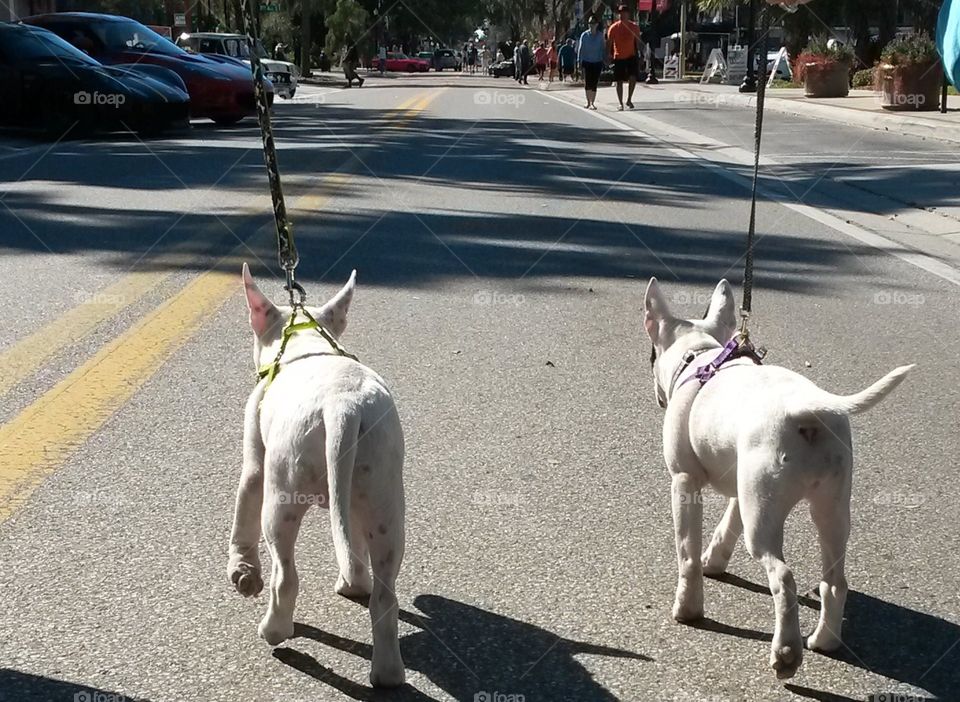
(282, 74)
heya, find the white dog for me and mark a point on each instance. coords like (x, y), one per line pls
(325, 431)
(766, 438)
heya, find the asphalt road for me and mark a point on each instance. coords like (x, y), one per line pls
(502, 239)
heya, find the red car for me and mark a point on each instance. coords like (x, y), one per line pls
(401, 63)
(220, 87)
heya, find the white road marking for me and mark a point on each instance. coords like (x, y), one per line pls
(721, 168)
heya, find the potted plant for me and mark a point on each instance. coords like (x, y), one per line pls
(824, 68)
(910, 74)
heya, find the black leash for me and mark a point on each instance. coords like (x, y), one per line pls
(286, 247)
(758, 132)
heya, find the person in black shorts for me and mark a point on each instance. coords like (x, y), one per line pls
(591, 55)
(623, 41)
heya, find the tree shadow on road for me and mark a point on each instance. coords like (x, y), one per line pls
(26, 687)
(465, 650)
(892, 641)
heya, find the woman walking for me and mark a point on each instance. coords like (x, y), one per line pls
(552, 59)
(593, 51)
(540, 60)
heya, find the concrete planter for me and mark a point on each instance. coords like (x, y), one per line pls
(826, 80)
(913, 87)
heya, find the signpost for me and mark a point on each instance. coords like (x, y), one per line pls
(179, 19)
(736, 64)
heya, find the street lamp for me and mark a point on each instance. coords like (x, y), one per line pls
(749, 84)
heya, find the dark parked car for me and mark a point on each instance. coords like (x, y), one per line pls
(45, 82)
(504, 68)
(220, 87)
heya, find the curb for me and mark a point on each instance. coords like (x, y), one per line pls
(881, 121)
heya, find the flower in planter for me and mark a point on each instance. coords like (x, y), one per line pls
(824, 68)
(909, 74)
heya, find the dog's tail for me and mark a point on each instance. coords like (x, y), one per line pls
(343, 432)
(863, 400)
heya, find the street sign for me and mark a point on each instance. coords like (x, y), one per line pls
(736, 64)
(179, 19)
(269, 7)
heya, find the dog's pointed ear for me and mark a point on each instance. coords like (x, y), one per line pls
(263, 313)
(655, 310)
(333, 315)
(721, 317)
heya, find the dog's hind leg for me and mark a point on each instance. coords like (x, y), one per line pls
(718, 553)
(386, 553)
(830, 510)
(688, 525)
(243, 565)
(764, 510)
(282, 516)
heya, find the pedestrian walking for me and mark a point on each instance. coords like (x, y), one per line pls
(350, 65)
(525, 63)
(540, 61)
(623, 40)
(552, 58)
(473, 58)
(382, 55)
(593, 51)
(567, 59)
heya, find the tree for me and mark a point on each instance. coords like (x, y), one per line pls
(348, 23)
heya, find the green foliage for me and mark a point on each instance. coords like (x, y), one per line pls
(863, 79)
(818, 47)
(347, 24)
(911, 49)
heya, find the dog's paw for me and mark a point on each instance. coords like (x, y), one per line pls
(785, 660)
(362, 587)
(392, 675)
(713, 565)
(823, 640)
(273, 632)
(687, 611)
(246, 578)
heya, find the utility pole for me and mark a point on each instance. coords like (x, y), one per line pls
(749, 84)
(681, 64)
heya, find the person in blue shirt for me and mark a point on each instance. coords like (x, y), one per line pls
(593, 53)
(568, 59)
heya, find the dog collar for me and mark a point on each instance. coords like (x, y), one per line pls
(270, 370)
(738, 347)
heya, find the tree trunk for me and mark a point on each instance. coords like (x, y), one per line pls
(305, 39)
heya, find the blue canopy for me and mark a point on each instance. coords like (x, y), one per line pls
(948, 39)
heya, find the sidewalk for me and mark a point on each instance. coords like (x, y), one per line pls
(861, 108)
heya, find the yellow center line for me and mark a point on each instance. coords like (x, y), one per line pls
(45, 434)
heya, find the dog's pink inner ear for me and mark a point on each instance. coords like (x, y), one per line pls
(262, 311)
(651, 324)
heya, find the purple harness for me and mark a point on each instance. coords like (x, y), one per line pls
(735, 348)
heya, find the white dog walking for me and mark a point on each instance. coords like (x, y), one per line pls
(766, 438)
(326, 433)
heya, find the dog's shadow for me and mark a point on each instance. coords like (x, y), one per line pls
(893, 641)
(465, 650)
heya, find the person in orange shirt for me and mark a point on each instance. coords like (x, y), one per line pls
(552, 59)
(623, 43)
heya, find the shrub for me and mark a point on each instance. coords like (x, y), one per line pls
(819, 54)
(863, 79)
(909, 50)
